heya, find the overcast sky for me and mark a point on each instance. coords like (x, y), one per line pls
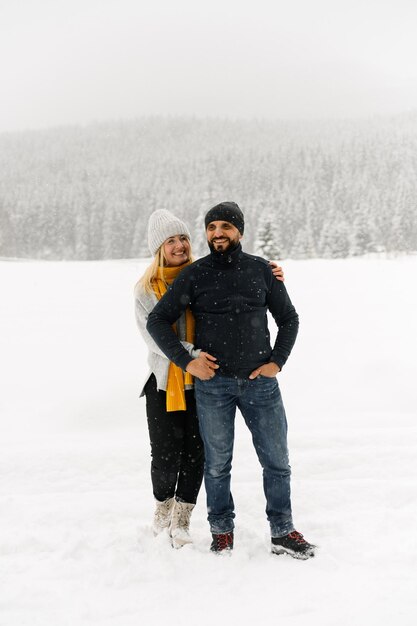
(67, 62)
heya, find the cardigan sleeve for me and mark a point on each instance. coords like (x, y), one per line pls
(144, 303)
(169, 308)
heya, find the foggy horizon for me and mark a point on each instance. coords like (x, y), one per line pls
(108, 61)
(219, 118)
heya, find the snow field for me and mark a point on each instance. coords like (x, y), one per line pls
(76, 546)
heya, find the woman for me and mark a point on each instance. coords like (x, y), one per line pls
(176, 447)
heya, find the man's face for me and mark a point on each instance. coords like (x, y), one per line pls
(222, 235)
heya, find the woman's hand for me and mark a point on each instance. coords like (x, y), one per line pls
(277, 271)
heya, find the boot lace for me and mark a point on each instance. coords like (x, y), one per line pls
(182, 515)
(223, 541)
(163, 510)
(297, 537)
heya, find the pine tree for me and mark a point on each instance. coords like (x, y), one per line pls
(265, 239)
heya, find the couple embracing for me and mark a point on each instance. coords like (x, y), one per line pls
(205, 325)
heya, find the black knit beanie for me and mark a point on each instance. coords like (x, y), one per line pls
(226, 212)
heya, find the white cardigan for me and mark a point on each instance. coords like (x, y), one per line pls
(157, 361)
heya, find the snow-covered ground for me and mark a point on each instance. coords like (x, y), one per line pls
(75, 499)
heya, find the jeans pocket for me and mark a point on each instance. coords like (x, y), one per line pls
(265, 386)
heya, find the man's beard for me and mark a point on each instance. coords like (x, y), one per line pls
(229, 244)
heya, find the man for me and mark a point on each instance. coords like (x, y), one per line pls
(229, 293)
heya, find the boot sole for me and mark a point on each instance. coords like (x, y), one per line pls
(303, 556)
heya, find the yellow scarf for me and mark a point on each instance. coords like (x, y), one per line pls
(177, 379)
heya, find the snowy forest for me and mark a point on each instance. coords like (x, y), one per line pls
(329, 189)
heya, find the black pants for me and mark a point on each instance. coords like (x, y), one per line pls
(177, 450)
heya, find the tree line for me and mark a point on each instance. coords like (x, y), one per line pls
(328, 189)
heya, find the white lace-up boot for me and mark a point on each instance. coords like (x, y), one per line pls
(162, 515)
(179, 529)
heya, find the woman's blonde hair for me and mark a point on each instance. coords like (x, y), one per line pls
(151, 272)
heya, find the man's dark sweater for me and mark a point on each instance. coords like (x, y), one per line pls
(229, 294)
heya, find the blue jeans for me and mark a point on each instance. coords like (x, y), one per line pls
(260, 403)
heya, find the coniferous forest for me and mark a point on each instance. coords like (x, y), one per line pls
(328, 189)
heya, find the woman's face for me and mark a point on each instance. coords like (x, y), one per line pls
(176, 250)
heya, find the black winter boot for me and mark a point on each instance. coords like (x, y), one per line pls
(222, 542)
(293, 544)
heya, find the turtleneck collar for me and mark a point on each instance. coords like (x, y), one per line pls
(226, 259)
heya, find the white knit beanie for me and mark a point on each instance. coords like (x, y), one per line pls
(163, 224)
